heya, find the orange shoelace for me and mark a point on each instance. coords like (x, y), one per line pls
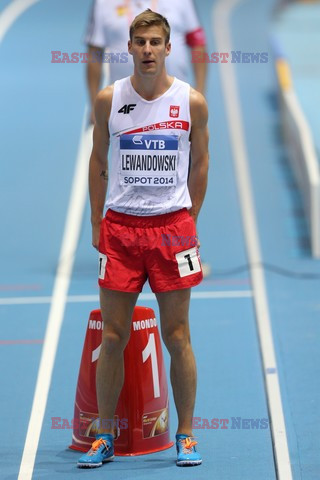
(187, 444)
(97, 444)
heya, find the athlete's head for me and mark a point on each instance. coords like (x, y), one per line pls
(149, 42)
(148, 18)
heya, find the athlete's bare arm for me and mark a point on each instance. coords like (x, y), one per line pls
(197, 182)
(98, 167)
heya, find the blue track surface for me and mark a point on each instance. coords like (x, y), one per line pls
(43, 105)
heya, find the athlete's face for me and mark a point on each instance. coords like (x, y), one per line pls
(149, 50)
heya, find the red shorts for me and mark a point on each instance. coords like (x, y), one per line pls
(160, 248)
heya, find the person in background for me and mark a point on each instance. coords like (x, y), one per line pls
(108, 27)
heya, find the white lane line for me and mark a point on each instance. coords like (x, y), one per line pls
(221, 26)
(142, 296)
(11, 13)
(222, 294)
(59, 297)
(25, 300)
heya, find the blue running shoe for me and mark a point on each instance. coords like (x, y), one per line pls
(186, 451)
(101, 451)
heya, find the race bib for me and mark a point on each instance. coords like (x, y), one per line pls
(149, 160)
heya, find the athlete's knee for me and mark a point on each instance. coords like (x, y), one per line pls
(114, 341)
(176, 340)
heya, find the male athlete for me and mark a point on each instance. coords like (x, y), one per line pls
(151, 121)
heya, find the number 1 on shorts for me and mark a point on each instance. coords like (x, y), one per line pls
(188, 262)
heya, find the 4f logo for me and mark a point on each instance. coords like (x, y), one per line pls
(127, 108)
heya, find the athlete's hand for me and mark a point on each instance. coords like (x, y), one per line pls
(95, 235)
(195, 223)
(196, 241)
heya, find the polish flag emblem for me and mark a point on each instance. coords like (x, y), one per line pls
(174, 111)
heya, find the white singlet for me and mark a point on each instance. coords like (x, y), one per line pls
(149, 150)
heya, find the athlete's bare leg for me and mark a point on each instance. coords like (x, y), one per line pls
(117, 309)
(174, 315)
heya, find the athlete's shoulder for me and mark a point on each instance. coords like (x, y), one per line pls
(198, 107)
(105, 95)
(197, 99)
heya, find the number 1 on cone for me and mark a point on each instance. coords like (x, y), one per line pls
(150, 350)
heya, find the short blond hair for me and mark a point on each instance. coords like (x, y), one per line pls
(148, 18)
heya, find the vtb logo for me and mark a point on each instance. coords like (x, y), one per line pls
(127, 108)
